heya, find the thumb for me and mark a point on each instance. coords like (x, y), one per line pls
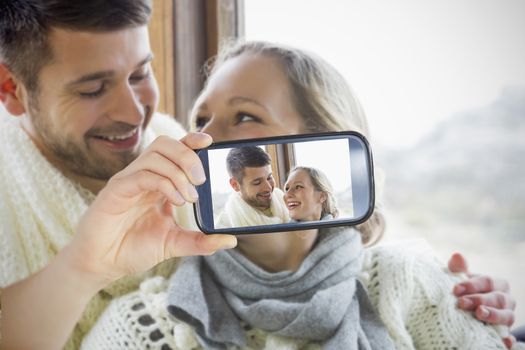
(458, 263)
(196, 140)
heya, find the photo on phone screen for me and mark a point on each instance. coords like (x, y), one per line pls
(285, 183)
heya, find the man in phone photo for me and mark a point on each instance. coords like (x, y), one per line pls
(255, 200)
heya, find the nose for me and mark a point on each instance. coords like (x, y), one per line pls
(290, 192)
(213, 129)
(127, 107)
(267, 186)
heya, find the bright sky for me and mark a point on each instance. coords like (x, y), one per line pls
(333, 161)
(412, 63)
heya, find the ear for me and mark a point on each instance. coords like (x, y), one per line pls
(323, 197)
(235, 184)
(10, 92)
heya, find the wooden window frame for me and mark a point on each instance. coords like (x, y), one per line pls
(184, 35)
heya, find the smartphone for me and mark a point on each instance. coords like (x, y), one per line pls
(285, 183)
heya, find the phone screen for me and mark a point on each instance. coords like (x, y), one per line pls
(285, 183)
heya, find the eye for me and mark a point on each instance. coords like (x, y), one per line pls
(94, 93)
(286, 188)
(256, 183)
(138, 77)
(200, 122)
(242, 117)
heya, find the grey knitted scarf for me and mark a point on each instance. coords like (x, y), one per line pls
(322, 301)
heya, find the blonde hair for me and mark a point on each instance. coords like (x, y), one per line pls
(320, 95)
(322, 184)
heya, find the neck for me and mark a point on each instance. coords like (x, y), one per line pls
(91, 184)
(267, 211)
(281, 251)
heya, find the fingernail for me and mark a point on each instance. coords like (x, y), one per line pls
(483, 312)
(192, 192)
(459, 289)
(178, 199)
(466, 303)
(231, 243)
(198, 174)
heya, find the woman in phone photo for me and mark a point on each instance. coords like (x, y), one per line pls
(309, 195)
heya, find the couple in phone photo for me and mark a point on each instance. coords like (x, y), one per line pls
(307, 196)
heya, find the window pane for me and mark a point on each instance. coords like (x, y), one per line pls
(443, 85)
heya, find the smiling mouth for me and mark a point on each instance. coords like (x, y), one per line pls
(116, 138)
(120, 142)
(292, 205)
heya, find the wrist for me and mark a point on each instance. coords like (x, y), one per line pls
(72, 267)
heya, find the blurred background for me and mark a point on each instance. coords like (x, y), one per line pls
(443, 86)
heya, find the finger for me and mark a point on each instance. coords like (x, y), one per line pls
(495, 316)
(185, 243)
(458, 263)
(509, 341)
(159, 164)
(498, 300)
(197, 140)
(119, 194)
(480, 284)
(178, 153)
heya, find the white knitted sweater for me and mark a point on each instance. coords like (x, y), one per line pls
(410, 289)
(39, 210)
(237, 212)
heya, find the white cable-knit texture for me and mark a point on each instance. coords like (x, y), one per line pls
(39, 210)
(410, 290)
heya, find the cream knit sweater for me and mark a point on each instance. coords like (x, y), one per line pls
(410, 290)
(39, 210)
(237, 212)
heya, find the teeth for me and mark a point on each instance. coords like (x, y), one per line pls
(293, 204)
(120, 137)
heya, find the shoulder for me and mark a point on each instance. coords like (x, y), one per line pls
(393, 271)
(163, 124)
(412, 291)
(404, 261)
(140, 320)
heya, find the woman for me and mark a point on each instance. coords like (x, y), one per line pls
(291, 290)
(309, 195)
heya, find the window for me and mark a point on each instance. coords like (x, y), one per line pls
(443, 85)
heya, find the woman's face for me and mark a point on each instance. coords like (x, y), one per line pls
(249, 96)
(303, 201)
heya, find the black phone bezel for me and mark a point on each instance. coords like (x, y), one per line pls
(205, 189)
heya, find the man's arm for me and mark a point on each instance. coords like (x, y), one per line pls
(128, 228)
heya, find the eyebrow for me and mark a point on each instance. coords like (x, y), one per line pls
(105, 74)
(235, 100)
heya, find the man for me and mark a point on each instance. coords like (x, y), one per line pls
(77, 81)
(255, 201)
(75, 78)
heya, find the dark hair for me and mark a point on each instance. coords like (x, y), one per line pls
(242, 157)
(25, 27)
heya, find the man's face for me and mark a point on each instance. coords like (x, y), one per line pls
(257, 186)
(95, 99)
